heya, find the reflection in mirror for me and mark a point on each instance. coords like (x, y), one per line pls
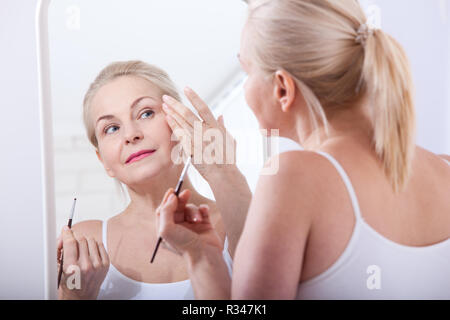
(195, 42)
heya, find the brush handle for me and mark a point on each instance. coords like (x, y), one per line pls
(156, 249)
(178, 187)
(177, 192)
(60, 269)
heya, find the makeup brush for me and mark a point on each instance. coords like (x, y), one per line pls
(177, 191)
(69, 224)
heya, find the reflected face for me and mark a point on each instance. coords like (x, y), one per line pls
(258, 87)
(128, 119)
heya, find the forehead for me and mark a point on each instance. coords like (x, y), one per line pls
(120, 93)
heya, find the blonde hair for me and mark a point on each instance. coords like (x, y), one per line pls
(314, 40)
(153, 74)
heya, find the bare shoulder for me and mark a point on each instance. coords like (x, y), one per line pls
(89, 228)
(299, 169)
(304, 173)
(424, 156)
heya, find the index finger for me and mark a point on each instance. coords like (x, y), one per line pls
(202, 108)
(70, 247)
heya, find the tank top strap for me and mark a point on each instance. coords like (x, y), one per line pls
(104, 234)
(347, 182)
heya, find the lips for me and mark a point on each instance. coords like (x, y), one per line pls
(139, 155)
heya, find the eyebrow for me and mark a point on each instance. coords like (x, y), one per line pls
(108, 116)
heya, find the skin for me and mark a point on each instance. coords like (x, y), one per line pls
(306, 234)
(224, 178)
(133, 233)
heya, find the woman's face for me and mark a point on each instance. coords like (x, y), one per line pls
(127, 118)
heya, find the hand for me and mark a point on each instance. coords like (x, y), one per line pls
(86, 256)
(185, 228)
(183, 121)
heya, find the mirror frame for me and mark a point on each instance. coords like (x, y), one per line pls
(46, 138)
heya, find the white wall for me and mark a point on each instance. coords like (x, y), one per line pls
(423, 29)
(21, 216)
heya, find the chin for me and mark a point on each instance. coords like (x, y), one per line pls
(144, 173)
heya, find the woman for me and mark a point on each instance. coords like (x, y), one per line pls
(362, 212)
(125, 123)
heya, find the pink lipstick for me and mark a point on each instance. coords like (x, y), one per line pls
(139, 155)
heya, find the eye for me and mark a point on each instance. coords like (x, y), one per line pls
(149, 112)
(107, 130)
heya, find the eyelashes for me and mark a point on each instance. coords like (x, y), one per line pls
(148, 111)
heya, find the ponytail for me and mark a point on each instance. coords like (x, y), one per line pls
(338, 60)
(387, 74)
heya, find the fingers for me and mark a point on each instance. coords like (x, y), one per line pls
(192, 214)
(167, 194)
(202, 108)
(180, 120)
(94, 253)
(84, 260)
(180, 109)
(167, 212)
(184, 136)
(220, 121)
(59, 246)
(183, 198)
(70, 246)
(103, 254)
(204, 211)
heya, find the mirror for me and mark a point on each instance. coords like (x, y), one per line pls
(195, 42)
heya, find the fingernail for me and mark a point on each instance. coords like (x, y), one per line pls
(171, 197)
(165, 107)
(65, 228)
(188, 89)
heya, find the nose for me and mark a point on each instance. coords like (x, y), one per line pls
(133, 135)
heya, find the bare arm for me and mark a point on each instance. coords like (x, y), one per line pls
(269, 256)
(270, 253)
(208, 273)
(233, 196)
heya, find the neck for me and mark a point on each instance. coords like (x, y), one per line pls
(145, 199)
(351, 122)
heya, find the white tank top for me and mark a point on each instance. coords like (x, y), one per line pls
(374, 267)
(118, 286)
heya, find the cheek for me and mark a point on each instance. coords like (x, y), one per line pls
(251, 94)
(257, 95)
(108, 153)
(162, 133)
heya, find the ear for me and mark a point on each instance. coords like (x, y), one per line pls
(284, 90)
(108, 171)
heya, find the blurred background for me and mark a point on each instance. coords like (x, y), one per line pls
(196, 42)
